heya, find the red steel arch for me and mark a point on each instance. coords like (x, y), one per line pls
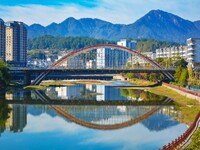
(90, 48)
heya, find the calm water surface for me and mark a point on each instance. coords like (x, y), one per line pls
(30, 127)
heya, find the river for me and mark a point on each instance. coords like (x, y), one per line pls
(28, 123)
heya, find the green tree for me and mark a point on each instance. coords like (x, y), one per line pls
(183, 78)
(124, 92)
(4, 73)
(145, 76)
(178, 73)
(4, 113)
(130, 75)
(153, 77)
(181, 62)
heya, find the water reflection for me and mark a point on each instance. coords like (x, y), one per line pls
(16, 115)
(40, 121)
(85, 92)
(99, 93)
(82, 126)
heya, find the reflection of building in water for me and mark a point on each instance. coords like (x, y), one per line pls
(71, 92)
(62, 92)
(89, 87)
(37, 110)
(17, 95)
(100, 89)
(86, 92)
(17, 118)
(108, 93)
(161, 120)
(121, 108)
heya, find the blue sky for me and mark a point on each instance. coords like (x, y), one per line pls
(86, 3)
(115, 11)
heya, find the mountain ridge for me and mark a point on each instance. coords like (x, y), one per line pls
(156, 24)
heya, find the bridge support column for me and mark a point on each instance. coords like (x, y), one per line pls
(27, 79)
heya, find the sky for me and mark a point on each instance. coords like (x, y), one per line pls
(45, 12)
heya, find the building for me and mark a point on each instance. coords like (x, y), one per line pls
(2, 40)
(128, 43)
(174, 51)
(135, 61)
(16, 43)
(193, 51)
(114, 58)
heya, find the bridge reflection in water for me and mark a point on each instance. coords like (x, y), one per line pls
(130, 116)
(102, 117)
(95, 117)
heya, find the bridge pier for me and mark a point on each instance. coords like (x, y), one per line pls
(27, 79)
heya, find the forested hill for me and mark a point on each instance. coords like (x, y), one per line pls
(148, 45)
(52, 42)
(74, 43)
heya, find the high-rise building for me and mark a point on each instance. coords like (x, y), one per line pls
(16, 43)
(193, 52)
(2, 40)
(114, 58)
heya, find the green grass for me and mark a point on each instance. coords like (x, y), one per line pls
(57, 83)
(38, 87)
(141, 82)
(195, 144)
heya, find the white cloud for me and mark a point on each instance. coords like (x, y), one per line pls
(120, 11)
(132, 140)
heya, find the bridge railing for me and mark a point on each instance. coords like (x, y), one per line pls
(182, 138)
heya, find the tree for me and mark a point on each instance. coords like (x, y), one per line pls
(4, 114)
(183, 78)
(4, 74)
(178, 73)
(130, 75)
(153, 77)
(181, 62)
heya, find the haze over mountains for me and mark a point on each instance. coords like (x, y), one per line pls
(156, 24)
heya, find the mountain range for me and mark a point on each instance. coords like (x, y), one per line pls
(156, 24)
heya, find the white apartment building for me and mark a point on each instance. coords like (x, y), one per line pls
(174, 51)
(193, 51)
(2, 40)
(128, 43)
(112, 58)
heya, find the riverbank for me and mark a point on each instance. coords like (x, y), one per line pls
(188, 107)
(37, 87)
(72, 82)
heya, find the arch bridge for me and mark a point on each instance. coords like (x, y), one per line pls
(104, 56)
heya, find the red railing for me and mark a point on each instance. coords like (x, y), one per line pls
(182, 138)
(183, 89)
